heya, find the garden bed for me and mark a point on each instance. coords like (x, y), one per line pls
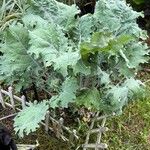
(46, 142)
(73, 63)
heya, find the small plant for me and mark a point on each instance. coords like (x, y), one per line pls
(89, 61)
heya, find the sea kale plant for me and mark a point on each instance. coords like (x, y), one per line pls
(89, 61)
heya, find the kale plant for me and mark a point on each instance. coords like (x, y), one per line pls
(89, 61)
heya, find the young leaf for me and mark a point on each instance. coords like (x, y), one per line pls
(67, 94)
(135, 87)
(117, 97)
(90, 98)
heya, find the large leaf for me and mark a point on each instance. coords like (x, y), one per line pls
(51, 44)
(29, 118)
(47, 42)
(122, 19)
(136, 54)
(58, 12)
(15, 60)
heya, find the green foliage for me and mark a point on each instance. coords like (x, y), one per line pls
(15, 60)
(97, 54)
(53, 45)
(29, 118)
(90, 98)
(104, 42)
(138, 2)
(131, 129)
(66, 95)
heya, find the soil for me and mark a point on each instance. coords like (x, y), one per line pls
(46, 142)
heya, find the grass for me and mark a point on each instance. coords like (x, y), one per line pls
(10, 11)
(131, 130)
